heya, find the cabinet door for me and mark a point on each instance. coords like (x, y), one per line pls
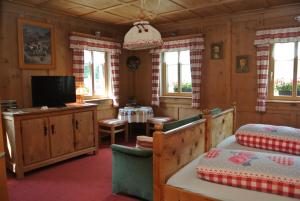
(61, 134)
(84, 130)
(35, 140)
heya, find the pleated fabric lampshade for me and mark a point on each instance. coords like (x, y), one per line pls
(142, 36)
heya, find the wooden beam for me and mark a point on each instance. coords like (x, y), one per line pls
(93, 36)
(181, 37)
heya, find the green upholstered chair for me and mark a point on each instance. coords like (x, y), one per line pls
(132, 171)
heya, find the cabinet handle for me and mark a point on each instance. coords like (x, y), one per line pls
(45, 130)
(52, 129)
(76, 124)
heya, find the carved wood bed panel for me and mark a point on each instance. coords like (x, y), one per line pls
(174, 149)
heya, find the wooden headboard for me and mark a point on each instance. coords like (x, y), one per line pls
(174, 149)
(219, 126)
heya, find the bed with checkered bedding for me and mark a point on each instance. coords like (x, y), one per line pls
(270, 137)
(265, 172)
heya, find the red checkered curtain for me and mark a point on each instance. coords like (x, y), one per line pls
(79, 44)
(155, 79)
(262, 62)
(263, 41)
(196, 63)
(114, 62)
(78, 67)
(196, 47)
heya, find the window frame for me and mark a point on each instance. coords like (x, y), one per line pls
(164, 77)
(294, 96)
(106, 77)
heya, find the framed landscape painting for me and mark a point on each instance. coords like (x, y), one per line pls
(36, 44)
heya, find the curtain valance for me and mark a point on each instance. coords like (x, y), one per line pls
(79, 42)
(281, 35)
(191, 44)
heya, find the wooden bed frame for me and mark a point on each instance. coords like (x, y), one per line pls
(175, 148)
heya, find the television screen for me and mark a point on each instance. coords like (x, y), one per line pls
(53, 91)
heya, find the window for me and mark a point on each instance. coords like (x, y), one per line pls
(176, 77)
(96, 74)
(284, 72)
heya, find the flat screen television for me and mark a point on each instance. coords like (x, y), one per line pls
(52, 91)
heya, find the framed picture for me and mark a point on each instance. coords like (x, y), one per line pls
(36, 44)
(242, 64)
(217, 50)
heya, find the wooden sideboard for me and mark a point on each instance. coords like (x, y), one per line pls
(3, 182)
(36, 138)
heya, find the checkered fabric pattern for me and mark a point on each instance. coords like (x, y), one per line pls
(251, 183)
(196, 47)
(79, 44)
(263, 40)
(282, 160)
(155, 78)
(268, 142)
(78, 67)
(265, 172)
(196, 64)
(114, 63)
(262, 63)
(212, 153)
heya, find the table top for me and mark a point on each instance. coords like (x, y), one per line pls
(135, 114)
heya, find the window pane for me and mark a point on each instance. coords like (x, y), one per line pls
(88, 72)
(172, 78)
(284, 51)
(184, 57)
(171, 57)
(283, 78)
(99, 73)
(186, 79)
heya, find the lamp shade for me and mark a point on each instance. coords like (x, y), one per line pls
(142, 36)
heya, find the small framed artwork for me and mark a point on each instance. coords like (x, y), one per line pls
(217, 50)
(36, 44)
(242, 64)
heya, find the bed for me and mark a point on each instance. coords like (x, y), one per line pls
(176, 154)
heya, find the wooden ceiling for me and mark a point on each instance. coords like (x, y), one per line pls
(127, 11)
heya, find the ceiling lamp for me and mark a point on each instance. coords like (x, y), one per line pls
(142, 35)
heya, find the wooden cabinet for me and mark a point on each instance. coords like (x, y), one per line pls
(37, 138)
(84, 136)
(62, 134)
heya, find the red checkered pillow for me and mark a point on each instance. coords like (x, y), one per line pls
(265, 172)
(276, 138)
(144, 142)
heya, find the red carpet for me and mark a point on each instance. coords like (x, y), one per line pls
(87, 178)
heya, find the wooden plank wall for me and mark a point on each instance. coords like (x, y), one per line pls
(14, 82)
(221, 85)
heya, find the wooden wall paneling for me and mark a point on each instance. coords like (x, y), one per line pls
(244, 88)
(14, 82)
(127, 84)
(185, 112)
(143, 78)
(10, 75)
(221, 85)
(215, 73)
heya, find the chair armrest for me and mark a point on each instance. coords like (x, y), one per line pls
(131, 150)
